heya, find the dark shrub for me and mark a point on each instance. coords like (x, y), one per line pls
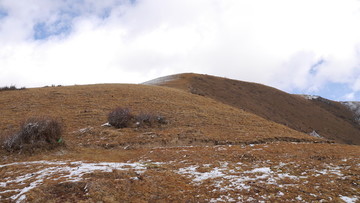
(148, 119)
(12, 87)
(35, 133)
(120, 118)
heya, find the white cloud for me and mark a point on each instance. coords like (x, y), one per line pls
(273, 42)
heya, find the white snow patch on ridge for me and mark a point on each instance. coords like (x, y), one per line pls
(64, 171)
(310, 97)
(354, 107)
(160, 80)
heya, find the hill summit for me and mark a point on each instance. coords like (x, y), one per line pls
(307, 114)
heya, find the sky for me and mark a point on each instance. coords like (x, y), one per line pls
(298, 46)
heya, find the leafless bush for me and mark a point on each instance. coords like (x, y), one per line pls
(12, 87)
(148, 119)
(123, 118)
(35, 133)
(120, 117)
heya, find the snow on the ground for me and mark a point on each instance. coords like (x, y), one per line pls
(224, 178)
(315, 134)
(56, 170)
(260, 170)
(349, 199)
(200, 176)
(106, 124)
(229, 178)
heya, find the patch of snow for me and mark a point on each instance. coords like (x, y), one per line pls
(215, 173)
(315, 134)
(260, 170)
(199, 176)
(310, 97)
(298, 198)
(329, 170)
(349, 199)
(232, 178)
(134, 178)
(85, 130)
(106, 124)
(286, 175)
(22, 198)
(354, 107)
(66, 171)
(160, 80)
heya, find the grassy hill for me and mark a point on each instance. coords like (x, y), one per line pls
(207, 151)
(329, 119)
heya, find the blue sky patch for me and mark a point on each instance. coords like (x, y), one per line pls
(43, 31)
(332, 91)
(105, 13)
(3, 13)
(62, 26)
(315, 66)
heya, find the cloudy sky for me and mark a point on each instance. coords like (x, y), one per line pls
(299, 46)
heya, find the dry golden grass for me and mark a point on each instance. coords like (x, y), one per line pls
(201, 133)
(192, 119)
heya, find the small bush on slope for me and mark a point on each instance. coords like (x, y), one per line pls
(12, 87)
(35, 133)
(148, 119)
(120, 117)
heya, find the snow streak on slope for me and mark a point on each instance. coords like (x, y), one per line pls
(33, 174)
(354, 107)
(309, 97)
(160, 80)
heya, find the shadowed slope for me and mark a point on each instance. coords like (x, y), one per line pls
(328, 118)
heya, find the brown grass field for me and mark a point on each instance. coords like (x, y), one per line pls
(330, 119)
(208, 151)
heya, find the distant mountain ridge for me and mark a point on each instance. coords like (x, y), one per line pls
(354, 106)
(305, 113)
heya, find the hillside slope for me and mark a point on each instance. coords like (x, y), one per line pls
(328, 118)
(207, 152)
(83, 106)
